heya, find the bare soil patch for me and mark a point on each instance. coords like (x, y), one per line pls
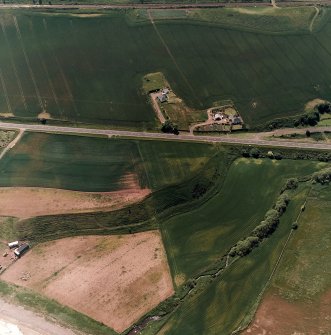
(24, 202)
(44, 115)
(277, 316)
(310, 105)
(113, 279)
(17, 320)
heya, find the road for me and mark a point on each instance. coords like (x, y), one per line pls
(164, 5)
(249, 139)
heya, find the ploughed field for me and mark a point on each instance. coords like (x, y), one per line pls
(114, 279)
(89, 68)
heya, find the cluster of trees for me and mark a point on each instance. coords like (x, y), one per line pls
(286, 153)
(256, 153)
(323, 176)
(267, 226)
(308, 119)
(324, 108)
(170, 128)
(291, 184)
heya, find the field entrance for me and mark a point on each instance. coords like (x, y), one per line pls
(113, 279)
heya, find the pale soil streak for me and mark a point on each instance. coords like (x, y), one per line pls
(29, 323)
(25, 202)
(113, 279)
(3, 27)
(156, 107)
(12, 143)
(169, 52)
(206, 123)
(313, 19)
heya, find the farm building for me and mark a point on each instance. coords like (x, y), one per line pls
(218, 117)
(163, 98)
(13, 244)
(165, 90)
(21, 250)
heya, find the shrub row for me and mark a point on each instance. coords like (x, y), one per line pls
(323, 176)
(267, 226)
(307, 119)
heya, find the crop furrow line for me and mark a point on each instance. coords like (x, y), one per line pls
(27, 60)
(5, 92)
(13, 65)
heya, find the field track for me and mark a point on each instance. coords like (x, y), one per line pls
(253, 140)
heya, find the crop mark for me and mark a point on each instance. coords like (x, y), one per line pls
(5, 92)
(12, 143)
(28, 63)
(170, 53)
(62, 75)
(51, 87)
(13, 65)
(313, 19)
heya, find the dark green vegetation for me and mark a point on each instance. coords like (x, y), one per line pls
(302, 282)
(196, 239)
(6, 136)
(305, 266)
(204, 201)
(229, 301)
(224, 303)
(99, 164)
(319, 115)
(63, 315)
(90, 69)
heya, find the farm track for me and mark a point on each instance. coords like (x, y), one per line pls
(164, 5)
(12, 143)
(254, 139)
(313, 19)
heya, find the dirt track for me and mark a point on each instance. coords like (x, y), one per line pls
(28, 323)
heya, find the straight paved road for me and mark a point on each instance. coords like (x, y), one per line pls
(167, 5)
(228, 139)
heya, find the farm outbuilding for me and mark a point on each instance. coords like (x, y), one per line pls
(12, 245)
(163, 98)
(21, 250)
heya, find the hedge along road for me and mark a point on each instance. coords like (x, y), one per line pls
(160, 136)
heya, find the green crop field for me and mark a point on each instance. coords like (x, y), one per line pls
(196, 239)
(99, 164)
(89, 68)
(302, 282)
(226, 303)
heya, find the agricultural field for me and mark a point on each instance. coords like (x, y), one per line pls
(197, 239)
(124, 276)
(194, 241)
(93, 164)
(225, 304)
(298, 299)
(67, 67)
